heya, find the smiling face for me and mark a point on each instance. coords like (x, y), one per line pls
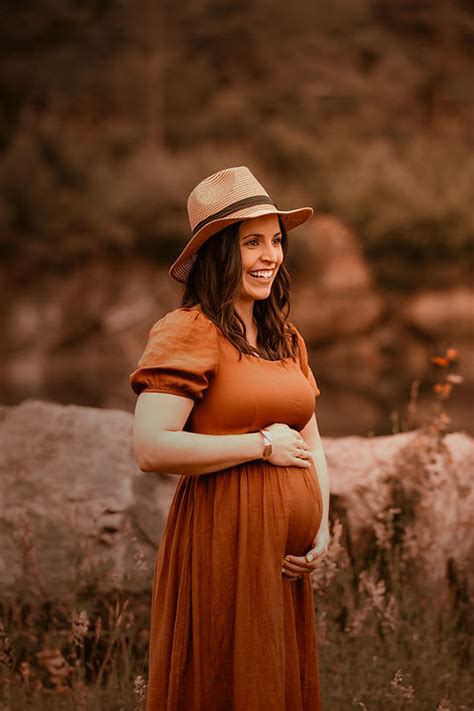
(261, 253)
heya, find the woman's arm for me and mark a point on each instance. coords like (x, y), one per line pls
(310, 434)
(159, 444)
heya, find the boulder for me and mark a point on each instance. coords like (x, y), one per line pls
(446, 315)
(75, 509)
(418, 476)
(333, 295)
(76, 512)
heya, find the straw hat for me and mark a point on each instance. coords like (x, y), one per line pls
(229, 196)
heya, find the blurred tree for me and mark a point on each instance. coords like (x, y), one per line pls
(111, 111)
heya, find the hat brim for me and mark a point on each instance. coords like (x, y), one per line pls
(181, 267)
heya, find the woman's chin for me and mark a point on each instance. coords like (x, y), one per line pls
(260, 294)
(260, 291)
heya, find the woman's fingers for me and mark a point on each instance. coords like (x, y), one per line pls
(294, 573)
(303, 447)
(303, 454)
(302, 564)
(302, 463)
(292, 576)
(298, 565)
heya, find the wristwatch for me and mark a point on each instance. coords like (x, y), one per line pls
(267, 444)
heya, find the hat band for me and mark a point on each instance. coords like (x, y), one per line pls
(234, 207)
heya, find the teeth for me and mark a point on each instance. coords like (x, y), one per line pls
(262, 274)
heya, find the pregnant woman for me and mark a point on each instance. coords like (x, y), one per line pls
(226, 401)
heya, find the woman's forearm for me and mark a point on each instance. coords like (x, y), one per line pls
(323, 478)
(179, 452)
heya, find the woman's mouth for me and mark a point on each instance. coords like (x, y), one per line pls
(262, 275)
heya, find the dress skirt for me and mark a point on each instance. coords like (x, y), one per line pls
(229, 631)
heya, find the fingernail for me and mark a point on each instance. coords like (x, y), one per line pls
(309, 557)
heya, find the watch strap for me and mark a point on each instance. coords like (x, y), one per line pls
(267, 444)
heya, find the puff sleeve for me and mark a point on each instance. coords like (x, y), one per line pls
(180, 356)
(305, 367)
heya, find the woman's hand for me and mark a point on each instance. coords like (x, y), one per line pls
(289, 447)
(295, 566)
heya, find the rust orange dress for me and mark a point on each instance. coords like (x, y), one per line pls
(230, 632)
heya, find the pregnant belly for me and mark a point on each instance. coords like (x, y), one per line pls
(257, 508)
(303, 508)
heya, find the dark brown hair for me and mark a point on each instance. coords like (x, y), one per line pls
(215, 281)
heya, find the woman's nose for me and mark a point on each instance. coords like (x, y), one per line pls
(270, 252)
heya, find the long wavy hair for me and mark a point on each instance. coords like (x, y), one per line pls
(215, 282)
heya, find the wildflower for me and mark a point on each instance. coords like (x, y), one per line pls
(80, 626)
(335, 558)
(139, 689)
(443, 390)
(440, 361)
(400, 689)
(375, 591)
(140, 559)
(384, 527)
(390, 616)
(374, 599)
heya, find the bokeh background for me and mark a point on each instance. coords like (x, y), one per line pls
(112, 111)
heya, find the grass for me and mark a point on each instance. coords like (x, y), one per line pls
(90, 654)
(387, 641)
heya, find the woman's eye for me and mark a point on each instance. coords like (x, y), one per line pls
(251, 242)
